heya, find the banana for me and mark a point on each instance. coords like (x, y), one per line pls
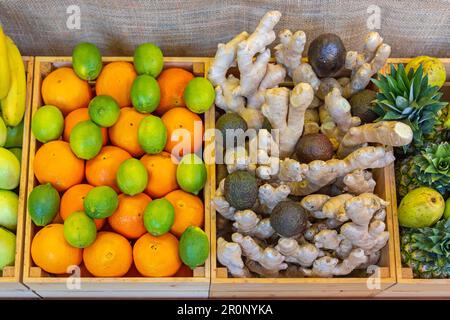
(13, 106)
(5, 75)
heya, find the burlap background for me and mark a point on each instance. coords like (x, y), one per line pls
(193, 28)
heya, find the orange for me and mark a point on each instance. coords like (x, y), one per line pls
(124, 133)
(62, 88)
(101, 170)
(128, 219)
(110, 255)
(188, 211)
(72, 200)
(54, 162)
(190, 139)
(51, 252)
(156, 256)
(162, 174)
(172, 82)
(116, 80)
(75, 117)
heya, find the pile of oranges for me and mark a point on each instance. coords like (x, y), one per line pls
(122, 247)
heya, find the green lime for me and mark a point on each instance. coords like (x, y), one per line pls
(191, 173)
(7, 248)
(14, 136)
(159, 216)
(9, 206)
(132, 177)
(148, 59)
(47, 123)
(43, 204)
(104, 111)
(101, 202)
(145, 93)
(86, 140)
(193, 247)
(17, 152)
(199, 95)
(447, 209)
(152, 134)
(87, 61)
(79, 230)
(3, 132)
(9, 170)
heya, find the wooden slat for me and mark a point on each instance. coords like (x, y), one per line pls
(45, 285)
(10, 281)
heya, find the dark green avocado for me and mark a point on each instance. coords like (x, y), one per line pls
(241, 190)
(288, 218)
(326, 55)
(363, 105)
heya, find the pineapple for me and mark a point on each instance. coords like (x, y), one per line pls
(427, 250)
(410, 99)
(429, 168)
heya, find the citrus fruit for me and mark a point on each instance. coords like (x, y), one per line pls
(9, 207)
(447, 209)
(43, 204)
(145, 93)
(189, 211)
(110, 255)
(86, 140)
(100, 202)
(152, 134)
(102, 169)
(148, 59)
(54, 162)
(73, 200)
(104, 111)
(17, 152)
(194, 247)
(191, 173)
(51, 252)
(162, 171)
(7, 248)
(80, 231)
(172, 82)
(75, 117)
(128, 218)
(158, 217)
(9, 170)
(14, 136)
(199, 95)
(156, 256)
(47, 124)
(132, 177)
(115, 80)
(63, 89)
(184, 131)
(124, 133)
(433, 67)
(421, 207)
(86, 61)
(3, 132)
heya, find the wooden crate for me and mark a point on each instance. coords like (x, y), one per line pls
(48, 286)
(406, 285)
(224, 287)
(10, 281)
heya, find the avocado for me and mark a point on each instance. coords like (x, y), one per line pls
(241, 190)
(314, 146)
(326, 55)
(266, 125)
(363, 105)
(221, 173)
(229, 122)
(288, 218)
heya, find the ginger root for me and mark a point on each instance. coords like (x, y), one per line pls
(270, 196)
(365, 64)
(221, 204)
(249, 223)
(289, 51)
(303, 254)
(285, 111)
(229, 255)
(390, 133)
(358, 182)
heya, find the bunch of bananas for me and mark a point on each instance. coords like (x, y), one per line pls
(12, 81)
